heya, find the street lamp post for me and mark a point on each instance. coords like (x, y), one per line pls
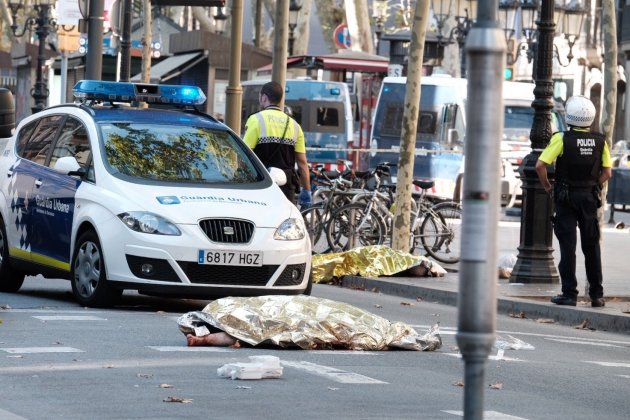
(379, 14)
(463, 22)
(219, 21)
(43, 25)
(294, 13)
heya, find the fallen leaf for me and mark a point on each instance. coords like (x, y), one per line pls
(520, 315)
(497, 385)
(584, 326)
(405, 303)
(458, 383)
(376, 305)
(546, 321)
(236, 345)
(165, 386)
(177, 400)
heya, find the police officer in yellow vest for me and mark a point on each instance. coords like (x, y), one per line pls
(278, 141)
(583, 164)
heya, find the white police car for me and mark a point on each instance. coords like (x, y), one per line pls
(163, 201)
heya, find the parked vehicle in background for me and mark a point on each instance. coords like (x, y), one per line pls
(517, 124)
(441, 132)
(322, 109)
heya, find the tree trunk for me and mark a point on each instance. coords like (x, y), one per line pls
(330, 16)
(147, 38)
(609, 26)
(401, 228)
(359, 25)
(201, 15)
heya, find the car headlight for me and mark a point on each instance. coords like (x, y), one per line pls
(145, 222)
(290, 230)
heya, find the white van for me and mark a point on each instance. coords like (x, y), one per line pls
(442, 129)
(440, 133)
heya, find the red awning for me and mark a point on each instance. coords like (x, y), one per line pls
(348, 60)
(353, 64)
(266, 70)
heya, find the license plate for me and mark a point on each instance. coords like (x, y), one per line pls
(249, 259)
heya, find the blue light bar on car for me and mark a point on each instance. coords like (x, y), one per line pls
(138, 92)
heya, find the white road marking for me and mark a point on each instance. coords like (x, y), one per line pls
(487, 415)
(560, 340)
(25, 350)
(453, 330)
(334, 374)
(69, 318)
(191, 349)
(609, 364)
(211, 362)
(6, 415)
(50, 311)
(350, 352)
(497, 357)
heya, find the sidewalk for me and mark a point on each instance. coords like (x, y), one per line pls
(532, 301)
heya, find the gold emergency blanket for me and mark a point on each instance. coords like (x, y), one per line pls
(369, 261)
(306, 322)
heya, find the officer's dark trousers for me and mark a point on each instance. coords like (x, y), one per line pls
(580, 209)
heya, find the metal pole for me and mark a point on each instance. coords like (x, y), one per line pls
(279, 65)
(94, 58)
(64, 76)
(258, 23)
(485, 49)
(125, 43)
(534, 262)
(40, 90)
(234, 91)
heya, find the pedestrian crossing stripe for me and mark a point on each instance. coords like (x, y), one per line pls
(191, 349)
(335, 374)
(69, 318)
(32, 350)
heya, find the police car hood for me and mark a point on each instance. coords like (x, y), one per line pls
(266, 207)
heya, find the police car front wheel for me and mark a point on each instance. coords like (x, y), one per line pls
(89, 278)
(10, 279)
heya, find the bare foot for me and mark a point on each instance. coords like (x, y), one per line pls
(220, 339)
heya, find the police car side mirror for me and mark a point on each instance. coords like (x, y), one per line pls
(68, 165)
(278, 176)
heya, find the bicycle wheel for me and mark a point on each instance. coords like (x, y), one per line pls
(315, 219)
(351, 226)
(440, 232)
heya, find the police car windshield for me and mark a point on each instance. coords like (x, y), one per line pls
(176, 153)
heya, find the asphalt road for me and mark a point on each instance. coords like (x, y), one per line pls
(62, 361)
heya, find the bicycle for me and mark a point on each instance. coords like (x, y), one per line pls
(368, 221)
(332, 193)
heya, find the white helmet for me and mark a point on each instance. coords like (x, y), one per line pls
(580, 111)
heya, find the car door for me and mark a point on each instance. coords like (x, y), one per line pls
(54, 196)
(32, 145)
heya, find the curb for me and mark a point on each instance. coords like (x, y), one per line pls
(522, 308)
